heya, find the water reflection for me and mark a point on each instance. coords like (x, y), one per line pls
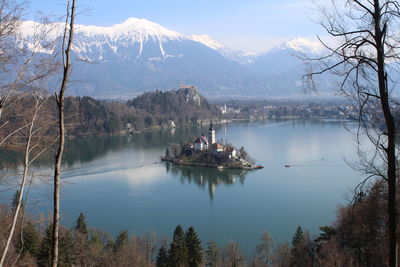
(206, 177)
(77, 150)
(86, 149)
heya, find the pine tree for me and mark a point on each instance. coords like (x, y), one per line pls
(212, 254)
(298, 237)
(299, 252)
(80, 225)
(162, 258)
(30, 242)
(177, 254)
(121, 241)
(45, 248)
(15, 200)
(65, 250)
(110, 246)
(194, 249)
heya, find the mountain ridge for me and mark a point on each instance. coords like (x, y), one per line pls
(139, 55)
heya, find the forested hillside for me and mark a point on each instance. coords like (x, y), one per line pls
(184, 105)
(87, 116)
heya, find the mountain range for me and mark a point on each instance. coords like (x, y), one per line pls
(138, 55)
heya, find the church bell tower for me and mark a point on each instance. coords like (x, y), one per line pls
(211, 135)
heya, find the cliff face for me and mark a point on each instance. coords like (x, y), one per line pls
(186, 98)
(190, 94)
(186, 103)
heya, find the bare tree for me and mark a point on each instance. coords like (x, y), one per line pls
(66, 53)
(33, 130)
(232, 255)
(264, 248)
(363, 52)
(25, 70)
(281, 256)
(10, 17)
(21, 67)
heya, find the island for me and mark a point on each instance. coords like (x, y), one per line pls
(207, 152)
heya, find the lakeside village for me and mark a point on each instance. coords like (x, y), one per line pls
(207, 152)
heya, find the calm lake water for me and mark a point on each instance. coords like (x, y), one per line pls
(119, 183)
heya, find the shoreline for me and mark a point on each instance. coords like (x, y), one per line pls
(214, 166)
(157, 128)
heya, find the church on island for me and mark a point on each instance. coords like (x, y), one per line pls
(209, 143)
(205, 151)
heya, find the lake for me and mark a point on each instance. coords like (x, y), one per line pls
(119, 183)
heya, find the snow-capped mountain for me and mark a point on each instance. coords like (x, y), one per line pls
(233, 54)
(287, 57)
(95, 43)
(139, 55)
(285, 67)
(136, 56)
(300, 45)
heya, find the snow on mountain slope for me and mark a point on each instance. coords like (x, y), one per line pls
(96, 43)
(139, 55)
(300, 45)
(286, 57)
(207, 40)
(136, 56)
(229, 53)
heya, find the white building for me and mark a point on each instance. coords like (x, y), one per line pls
(171, 124)
(211, 134)
(201, 143)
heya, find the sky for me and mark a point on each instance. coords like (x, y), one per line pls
(248, 25)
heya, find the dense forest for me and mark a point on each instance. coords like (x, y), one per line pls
(86, 116)
(357, 238)
(185, 105)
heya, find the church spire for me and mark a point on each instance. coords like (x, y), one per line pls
(211, 126)
(211, 134)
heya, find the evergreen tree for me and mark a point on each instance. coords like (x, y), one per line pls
(327, 233)
(162, 258)
(44, 256)
(15, 200)
(30, 242)
(177, 254)
(80, 225)
(122, 241)
(110, 246)
(212, 254)
(300, 250)
(298, 237)
(194, 249)
(66, 255)
(66, 251)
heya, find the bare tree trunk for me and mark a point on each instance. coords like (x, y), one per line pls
(368, 41)
(391, 134)
(60, 103)
(21, 192)
(30, 155)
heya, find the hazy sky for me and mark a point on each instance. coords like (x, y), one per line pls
(250, 25)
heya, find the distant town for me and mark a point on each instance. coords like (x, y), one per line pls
(289, 109)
